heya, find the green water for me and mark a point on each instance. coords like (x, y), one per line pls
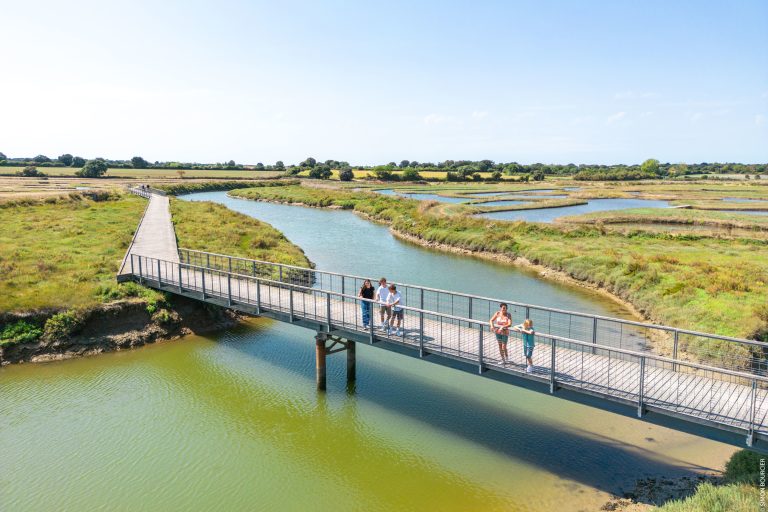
(233, 422)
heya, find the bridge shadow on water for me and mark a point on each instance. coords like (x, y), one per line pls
(573, 453)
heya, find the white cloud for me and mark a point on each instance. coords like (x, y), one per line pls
(479, 114)
(615, 118)
(433, 119)
(698, 116)
(646, 114)
(759, 120)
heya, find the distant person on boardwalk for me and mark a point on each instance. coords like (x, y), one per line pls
(385, 311)
(526, 328)
(366, 292)
(500, 322)
(394, 300)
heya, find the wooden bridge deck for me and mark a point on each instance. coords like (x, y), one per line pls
(720, 398)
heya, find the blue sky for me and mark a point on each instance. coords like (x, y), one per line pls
(370, 82)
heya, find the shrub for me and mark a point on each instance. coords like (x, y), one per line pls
(62, 326)
(93, 169)
(743, 468)
(19, 332)
(346, 175)
(30, 172)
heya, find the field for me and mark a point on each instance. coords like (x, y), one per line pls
(151, 173)
(65, 253)
(705, 283)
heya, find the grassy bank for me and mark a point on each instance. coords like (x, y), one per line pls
(60, 257)
(215, 228)
(693, 282)
(178, 189)
(153, 173)
(64, 253)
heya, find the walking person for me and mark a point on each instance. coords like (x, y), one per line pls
(526, 329)
(500, 324)
(394, 300)
(366, 293)
(385, 311)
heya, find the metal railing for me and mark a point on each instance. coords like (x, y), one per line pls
(145, 191)
(720, 351)
(727, 399)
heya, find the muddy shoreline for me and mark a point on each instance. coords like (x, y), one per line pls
(116, 326)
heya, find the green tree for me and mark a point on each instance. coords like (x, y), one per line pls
(138, 162)
(346, 174)
(78, 161)
(30, 172)
(309, 162)
(496, 176)
(259, 166)
(320, 172)
(93, 169)
(410, 174)
(66, 159)
(2, 156)
(41, 158)
(279, 165)
(538, 175)
(650, 166)
(404, 164)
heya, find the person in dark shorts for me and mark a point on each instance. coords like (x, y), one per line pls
(366, 292)
(529, 335)
(394, 301)
(500, 323)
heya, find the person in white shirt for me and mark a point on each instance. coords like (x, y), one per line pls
(385, 310)
(394, 300)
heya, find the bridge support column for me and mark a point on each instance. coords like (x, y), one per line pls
(320, 360)
(351, 361)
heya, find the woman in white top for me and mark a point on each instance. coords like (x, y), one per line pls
(385, 311)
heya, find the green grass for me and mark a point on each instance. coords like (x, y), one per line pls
(178, 189)
(711, 498)
(700, 283)
(64, 254)
(212, 227)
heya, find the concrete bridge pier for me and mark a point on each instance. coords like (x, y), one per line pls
(323, 349)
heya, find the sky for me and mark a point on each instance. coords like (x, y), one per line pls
(372, 82)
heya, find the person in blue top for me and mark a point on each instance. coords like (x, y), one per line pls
(526, 329)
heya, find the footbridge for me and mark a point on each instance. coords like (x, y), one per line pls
(605, 362)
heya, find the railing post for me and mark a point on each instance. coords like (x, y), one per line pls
(594, 335)
(230, 263)
(641, 390)
(159, 277)
(372, 326)
(208, 260)
(674, 349)
(253, 265)
(132, 272)
(180, 287)
(281, 273)
(229, 289)
(258, 297)
(421, 330)
(480, 349)
(141, 272)
(421, 298)
(752, 413)
(290, 304)
(202, 273)
(552, 382)
(328, 310)
(469, 315)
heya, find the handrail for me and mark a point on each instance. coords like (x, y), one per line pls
(482, 324)
(520, 304)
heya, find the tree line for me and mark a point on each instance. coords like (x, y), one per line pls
(412, 170)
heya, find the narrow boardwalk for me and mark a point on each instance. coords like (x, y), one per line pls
(155, 236)
(716, 397)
